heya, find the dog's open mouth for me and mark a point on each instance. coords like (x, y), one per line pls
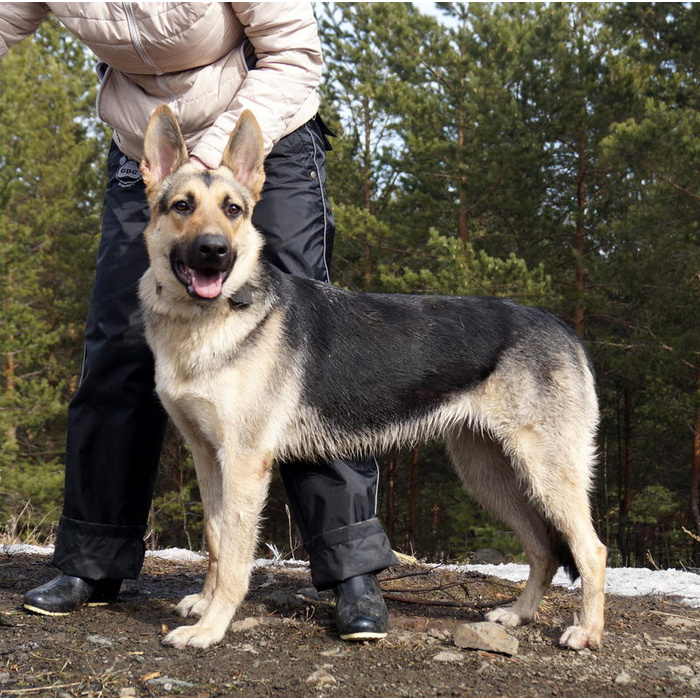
(203, 265)
(202, 283)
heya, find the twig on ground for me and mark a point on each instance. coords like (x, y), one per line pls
(21, 691)
(495, 603)
(410, 575)
(430, 589)
(421, 601)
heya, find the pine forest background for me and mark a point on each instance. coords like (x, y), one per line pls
(548, 153)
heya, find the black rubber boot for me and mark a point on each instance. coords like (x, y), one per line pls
(360, 612)
(66, 594)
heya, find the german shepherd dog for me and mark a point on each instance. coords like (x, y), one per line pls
(255, 366)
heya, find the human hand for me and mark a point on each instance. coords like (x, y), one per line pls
(200, 164)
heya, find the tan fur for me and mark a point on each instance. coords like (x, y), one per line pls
(512, 441)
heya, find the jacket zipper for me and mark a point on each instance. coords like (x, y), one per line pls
(138, 45)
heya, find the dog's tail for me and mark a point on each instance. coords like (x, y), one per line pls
(563, 553)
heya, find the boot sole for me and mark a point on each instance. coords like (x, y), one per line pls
(362, 636)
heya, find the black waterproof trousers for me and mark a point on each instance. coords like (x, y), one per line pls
(116, 424)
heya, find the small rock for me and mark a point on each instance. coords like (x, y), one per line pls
(680, 671)
(310, 593)
(127, 693)
(99, 639)
(623, 678)
(321, 677)
(403, 637)
(5, 678)
(677, 621)
(442, 635)
(672, 646)
(448, 656)
(169, 683)
(285, 601)
(280, 622)
(336, 651)
(244, 625)
(486, 636)
(489, 555)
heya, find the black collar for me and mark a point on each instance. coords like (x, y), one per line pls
(241, 297)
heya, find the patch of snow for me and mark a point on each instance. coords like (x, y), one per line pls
(623, 581)
(684, 585)
(176, 554)
(26, 549)
(284, 563)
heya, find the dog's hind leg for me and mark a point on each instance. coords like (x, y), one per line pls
(573, 519)
(245, 478)
(488, 474)
(558, 471)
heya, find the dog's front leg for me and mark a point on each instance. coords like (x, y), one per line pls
(195, 604)
(245, 479)
(210, 489)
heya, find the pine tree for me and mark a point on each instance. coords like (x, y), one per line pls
(49, 210)
(654, 289)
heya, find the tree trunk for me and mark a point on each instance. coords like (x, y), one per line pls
(390, 488)
(413, 501)
(626, 478)
(462, 204)
(368, 258)
(580, 239)
(695, 466)
(11, 433)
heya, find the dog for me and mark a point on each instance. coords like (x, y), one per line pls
(255, 366)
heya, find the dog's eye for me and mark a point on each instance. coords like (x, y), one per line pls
(181, 206)
(233, 210)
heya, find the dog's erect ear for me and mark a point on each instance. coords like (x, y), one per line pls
(244, 153)
(164, 149)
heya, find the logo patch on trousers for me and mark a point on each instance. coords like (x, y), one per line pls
(128, 172)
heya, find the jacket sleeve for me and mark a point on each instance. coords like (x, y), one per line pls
(287, 73)
(18, 20)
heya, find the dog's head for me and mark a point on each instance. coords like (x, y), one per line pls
(200, 241)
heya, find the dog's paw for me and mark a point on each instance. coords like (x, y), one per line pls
(576, 637)
(192, 605)
(197, 636)
(507, 617)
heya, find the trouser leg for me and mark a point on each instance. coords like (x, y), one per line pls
(333, 502)
(115, 421)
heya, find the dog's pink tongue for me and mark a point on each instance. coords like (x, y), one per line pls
(207, 284)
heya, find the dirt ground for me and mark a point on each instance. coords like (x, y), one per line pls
(283, 642)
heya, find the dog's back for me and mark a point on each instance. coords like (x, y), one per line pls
(377, 365)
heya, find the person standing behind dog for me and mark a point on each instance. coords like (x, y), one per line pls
(209, 62)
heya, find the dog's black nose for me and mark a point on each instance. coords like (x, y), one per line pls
(212, 247)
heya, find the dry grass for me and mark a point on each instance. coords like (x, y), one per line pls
(20, 528)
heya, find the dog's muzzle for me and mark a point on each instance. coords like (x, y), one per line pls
(203, 265)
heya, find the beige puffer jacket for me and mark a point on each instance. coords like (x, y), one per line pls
(191, 55)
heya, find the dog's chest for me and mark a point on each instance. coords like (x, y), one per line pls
(197, 400)
(195, 351)
(194, 365)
